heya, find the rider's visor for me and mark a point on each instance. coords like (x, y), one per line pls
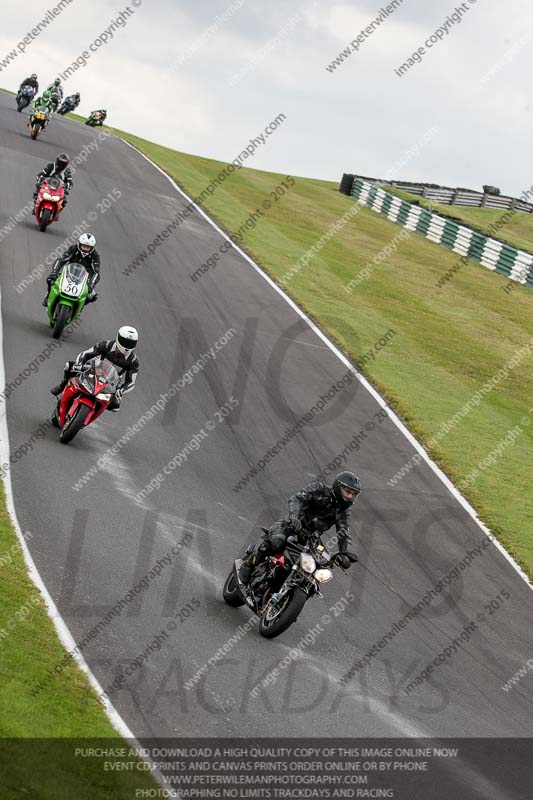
(125, 344)
(348, 494)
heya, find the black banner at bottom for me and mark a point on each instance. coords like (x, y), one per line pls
(404, 769)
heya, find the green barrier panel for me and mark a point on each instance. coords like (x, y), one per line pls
(385, 208)
(503, 256)
(405, 208)
(423, 224)
(509, 251)
(371, 196)
(450, 229)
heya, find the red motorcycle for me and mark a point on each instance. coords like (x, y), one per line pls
(85, 397)
(49, 202)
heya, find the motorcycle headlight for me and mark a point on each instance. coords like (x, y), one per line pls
(307, 562)
(47, 196)
(105, 396)
(55, 197)
(323, 575)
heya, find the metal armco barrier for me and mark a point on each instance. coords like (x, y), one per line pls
(444, 194)
(517, 265)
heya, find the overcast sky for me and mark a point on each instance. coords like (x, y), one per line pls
(205, 76)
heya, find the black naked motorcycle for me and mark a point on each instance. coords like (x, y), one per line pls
(281, 585)
(68, 105)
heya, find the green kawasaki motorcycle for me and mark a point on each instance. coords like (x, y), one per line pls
(67, 297)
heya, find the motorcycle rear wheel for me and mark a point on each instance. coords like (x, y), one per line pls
(270, 628)
(231, 593)
(62, 319)
(74, 424)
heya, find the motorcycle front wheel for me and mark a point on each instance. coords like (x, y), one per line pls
(231, 593)
(62, 319)
(276, 619)
(74, 424)
(46, 218)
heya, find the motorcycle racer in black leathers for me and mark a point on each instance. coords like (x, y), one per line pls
(31, 81)
(70, 103)
(60, 168)
(83, 252)
(316, 507)
(120, 351)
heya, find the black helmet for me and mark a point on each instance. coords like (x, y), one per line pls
(62, 161)
(346, 488)
(34, 76)
(77, 95)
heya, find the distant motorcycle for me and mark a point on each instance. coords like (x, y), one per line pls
(68, 105)
(95, 118)
(68, 295)
(25, 96)
(55, 100)
(49, 202)
(281, 585)
(37, 122)
(85, 397)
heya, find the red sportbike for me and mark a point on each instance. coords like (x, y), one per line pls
(49, 202)
(85, 397)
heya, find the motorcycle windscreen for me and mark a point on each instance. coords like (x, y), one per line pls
(74, 279)
(106, 374)
(54, 182)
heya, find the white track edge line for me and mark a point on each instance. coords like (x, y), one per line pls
(368, 386)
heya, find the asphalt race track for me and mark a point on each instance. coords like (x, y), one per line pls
(93, 545)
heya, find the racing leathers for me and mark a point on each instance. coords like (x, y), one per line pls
(42, 106)
(33, 82)
(91, 262)
(103, 115)
(127, 366)
(313, 508)
(57, 94)
(50, 170)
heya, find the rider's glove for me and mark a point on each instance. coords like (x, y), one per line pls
(119, 393)
(295, 523)
(76, 367)
(343, 561)
(92, 296)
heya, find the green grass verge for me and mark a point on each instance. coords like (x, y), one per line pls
(67, 709)
(450, 341)
(516, 227)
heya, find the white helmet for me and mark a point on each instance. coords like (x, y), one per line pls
(126, 341)
(86, 243)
